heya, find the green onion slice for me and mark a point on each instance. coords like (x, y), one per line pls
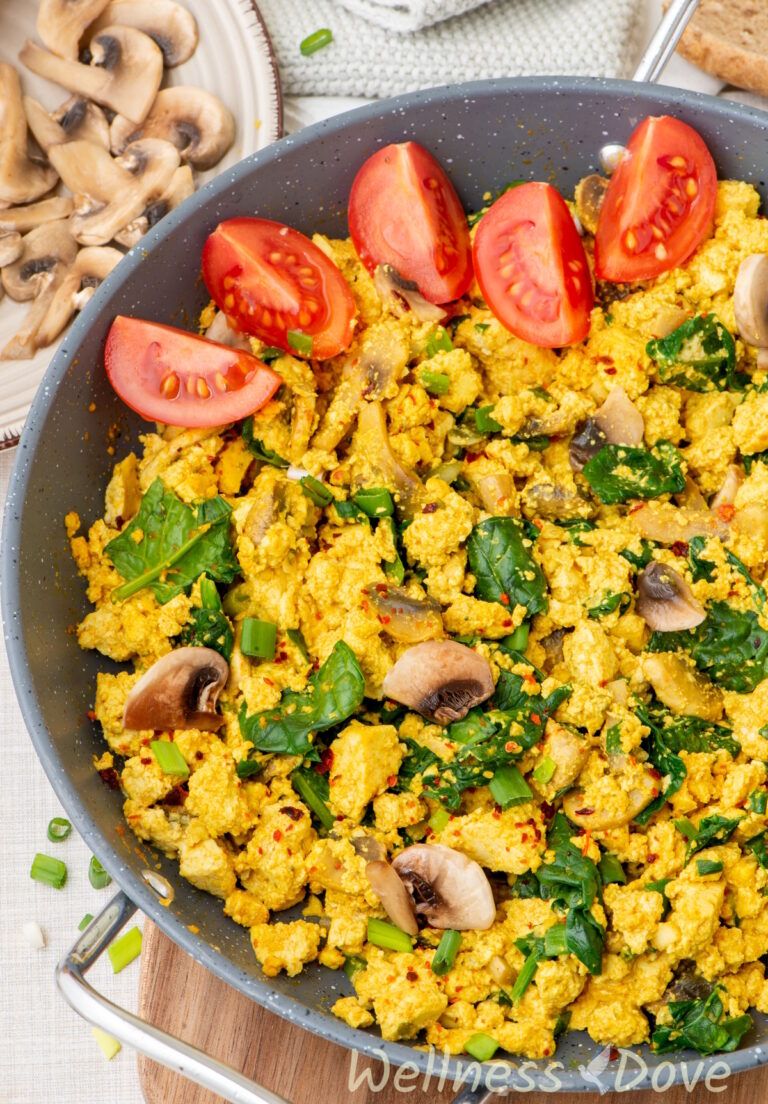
(87, 919)
(311, 796)
(508, 787)
(525, 977)
(544, 771)
(59, 829)
(314, 42)
(300, 342)
(445, 955)
(353, 964)
(517, 641)
(438, 820)
(209, 594)
(708, 866)
(481, 1046)
(376, 502)
(437, 383)
(258, 638)
(97, 875)
(123, 951)
(315, 491)
(484, 421)
(555, 941)
(49, 871)
(388, 937)
(169, 758)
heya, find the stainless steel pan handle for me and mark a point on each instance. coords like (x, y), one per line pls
(134, 1032)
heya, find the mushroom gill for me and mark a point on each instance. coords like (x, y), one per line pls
(665, 601)
(172, 26)
(195, 121)
(92, 265)
(440, 679)
(448, 889)
(179, 691)
(76, 118)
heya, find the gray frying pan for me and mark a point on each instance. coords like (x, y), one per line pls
(483, 133)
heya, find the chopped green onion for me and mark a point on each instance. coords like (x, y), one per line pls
(52, 872)
(481, 327)
(108, 1044)
(611, 870)
(388, 937)
(508, 787)
(123, 951)
(316, 41)
(525, 977)
(270, 353)
(97, 875)
(439, 342)
(59, 829)
(438, 820)
(658, 886)
(300, 342)
(544, 771)
(247, 768)
(758, 801)
(686, 828)
(393, 569)
(315, 491)
(302, 783)
(296, 637)
(258, 639)
(349, 510)
(85, 922)
(481, 1046)
(437, 383)
(708, 866)
(517, 641)
(209, 594)
(376, 502)
(445, 955)
(169, 758)
(484, 422)
(353, 964)
(555, 941)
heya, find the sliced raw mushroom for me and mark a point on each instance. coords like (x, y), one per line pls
(589, 196)
(179, 691)
(634, 787)
(367, 847)
(29, 217)
(171, 26)
(92, 265)
(195, 121)
(75, 119)
(124, 73)
(21, 179)
(449, 890)
(373, 442)
(90, 172)
(395, 898)
(403, 617)
(668, 524)
(440, 679)
(616, 422)
(750, 300)
(180, 188)
(11, 246)
(550, 500)
(47, 251)
(665, 601)
(401, 295)
(62, 23)
(568, 751)
(681, 687)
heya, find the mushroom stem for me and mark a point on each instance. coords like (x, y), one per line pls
(193, 120)
(21, 179)
(62, 23)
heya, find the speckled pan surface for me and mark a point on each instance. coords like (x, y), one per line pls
(484, 134)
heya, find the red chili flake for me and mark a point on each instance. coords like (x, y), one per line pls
(268, 681)
(199, 755)
(524, 837)
(585, 812)
(651, 859)
(548, 811)
(610, 371)
(318, 616)
(507, 624)
(636, 506)
(384, 618)
(546, 1052)
(145, 762)
(110, 777)
(538, 523)
(326, 761)
(654, 773)
(536, 718)
(177, 796)
(391, 779)
(277, 835)
(146, 741)
(679, 548)
(504, 599)
(412, 975)
(470, 457)
(429, 508)
(496, 812)
(726, 511)
(292, 812)
(613, 1054)
(510, 746)
(90, 714)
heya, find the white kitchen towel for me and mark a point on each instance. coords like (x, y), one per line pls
(597, 38)
(409, 15)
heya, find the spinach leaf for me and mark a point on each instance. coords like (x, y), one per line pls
(700, 355)
(584, 938)
(267, 456)
(332, 695)
(729, 646)
(754, 458)
(608, 603)
(418, 760)
(619, 472)
(702, 568)
(699, 1024)
(758, 845)
(312, 787)
(641, 560)
(572, 881)
(209, 628)
(168, 545)
(576, 528)
(504, 569)
(711, 830)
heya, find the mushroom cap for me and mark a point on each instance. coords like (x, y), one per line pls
(588, 198)
(178, 691)
(395, 898)
(47, 252)
(75, 118)
(62, 23)
(124, 74)
(195, 121)
(21, 179)
(92, 265)
(29, 217)
(620, 420)
(170, 25)
(665, 601)
(750, 300)
(402, 295)
(448, 889)
(440, 679)
(372, 440)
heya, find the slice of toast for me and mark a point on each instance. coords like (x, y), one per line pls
(729, 38)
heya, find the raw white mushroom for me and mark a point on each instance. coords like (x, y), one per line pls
(441, 679)
(449, 889)
(75, 118)
(182, 186)
(179, 691)
(21, 179)
(62, 23)
(750, 300)
(48, 252)
(28, 217)
(171, 26)
(92, 265)
(195, 121)
(665, 601)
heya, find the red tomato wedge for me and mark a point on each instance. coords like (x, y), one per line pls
(274, 283)
(532, 268)
(404, 212)
(171, 376)
(659, 205)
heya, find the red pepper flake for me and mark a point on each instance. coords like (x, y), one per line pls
(504, 599)
(292, 812)
(636, 506)
(277, 835)
(510, 746)
(726, 511)
(177, 796)
(585, 812)
(679, 548)
(651, 858)
(536, 718)
(429, 508)
(199, 755)
(613, 1054)
(145, 762)
(110, 778)
(391, 779)
(587, 841)
(548, 811)
(268, 681)
(412, 975)
(326, 761)
(538, 523)
(507, 624)
(384, 618)
(496, 814)
(524, 837)
(610, 371)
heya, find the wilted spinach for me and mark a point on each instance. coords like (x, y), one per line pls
(700, 355)
(267, 456)
(621, 472)
(504, 568)
(700, 1025)
(729, 646)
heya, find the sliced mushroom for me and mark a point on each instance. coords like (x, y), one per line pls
(180, 188)
(179, 691)
(750, 299)
(92, 265)
(440, 679)
(448, 889)
(48, 250)
(667, 320)
(222, 330)
(589, 196)
(568, 751)
(11, 247)
(21, 179)
(367, 847)
(171, 26)
(586, 442)
(625, 803)
(726, 496)
(496, 491)
(124, 73)
(620, 420)
(195, 121)
(550, 500)
(395, 898)
(400, 295)
(691, 498)
(403, 617)
(665, 601)
(62, 23)
(679, 686)
(76, 118)
(668, 524)
(29, 217)
(373, 443)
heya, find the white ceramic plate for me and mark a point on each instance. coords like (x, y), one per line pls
(234, 59)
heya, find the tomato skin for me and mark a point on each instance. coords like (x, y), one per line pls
(163, 374)
(269, 279)
(532, 269)
(660, 202)
(404, 212)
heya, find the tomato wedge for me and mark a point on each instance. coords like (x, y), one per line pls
(532, 268)
(274, 283)
(404, 212)
(659, 205)
(172, 376)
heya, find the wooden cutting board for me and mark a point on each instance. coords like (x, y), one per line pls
(179, 995)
